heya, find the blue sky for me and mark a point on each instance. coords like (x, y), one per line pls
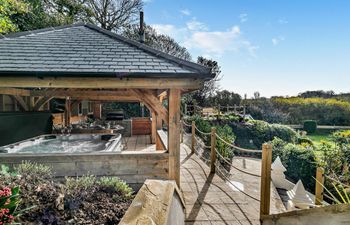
(274, 47)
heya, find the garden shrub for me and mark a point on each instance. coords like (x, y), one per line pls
(226, 133)
(35, 171)
(310, 126)
(256, 132)
(117, 185)
(301, 140)
(300, 161)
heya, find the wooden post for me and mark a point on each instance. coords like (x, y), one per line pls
(319, 186)
(212, 150)
(265, 190)
(193, 142)
(154, 128)
(67, 113)
(159, 126)
(174, 135)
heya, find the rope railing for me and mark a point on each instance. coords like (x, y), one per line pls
(201, 132)
(228, 180)
(187, 125)
(238, 148)
(229, 163)
(222, 165)
(199, 141)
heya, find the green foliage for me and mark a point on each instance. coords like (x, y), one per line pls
(117, 185)
(80, 183)
(226, 133)
(254, 133)
(299, 160)
(310, 126)
(9, 9)
(328, 111)
(342, 137)
(264, 109)
(36, 171)
(5, 171)
(304, 141)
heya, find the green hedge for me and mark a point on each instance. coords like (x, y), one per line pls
(300, 161)
(310, 126)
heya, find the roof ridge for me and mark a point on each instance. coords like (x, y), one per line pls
(168, 57)
(38, 31)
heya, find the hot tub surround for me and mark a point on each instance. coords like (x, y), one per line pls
(66, 143)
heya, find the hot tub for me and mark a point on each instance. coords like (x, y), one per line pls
(66, 143)
(81, 154)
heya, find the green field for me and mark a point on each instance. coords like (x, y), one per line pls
(320, 135)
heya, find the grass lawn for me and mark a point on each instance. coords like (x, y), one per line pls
(320, 135)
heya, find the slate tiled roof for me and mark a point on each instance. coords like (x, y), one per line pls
(86, 50)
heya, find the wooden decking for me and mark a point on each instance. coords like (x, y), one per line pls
(211, 200)
(139, 143)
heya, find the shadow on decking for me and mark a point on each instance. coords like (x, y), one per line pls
(199, 202)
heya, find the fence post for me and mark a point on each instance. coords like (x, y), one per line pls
(212, 150)
(319, 186)
(265, 191)
(193, 135)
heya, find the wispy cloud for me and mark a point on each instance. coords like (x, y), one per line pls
(277, 40)
(195, 25)
(243, 17)
(282, 21)
(196, 36)
(185, 12)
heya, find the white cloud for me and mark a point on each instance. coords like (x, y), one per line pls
(282, 21)
(185, 12)
(197, 37)
(196, 25)
(277, 40)
(243, 17)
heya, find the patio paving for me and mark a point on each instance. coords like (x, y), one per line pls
(211, 200)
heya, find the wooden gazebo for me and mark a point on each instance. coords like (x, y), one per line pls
(83, 61)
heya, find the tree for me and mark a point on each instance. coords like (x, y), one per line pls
(8, 9)
(226, 97)
(160, 42)
(211, 86)
(114, 14)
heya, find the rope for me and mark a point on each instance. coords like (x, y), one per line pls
(201, 132)
(240, 170)
(187, 125)
(199, 141)
(334, 180)
(248, 195)
(236, 147)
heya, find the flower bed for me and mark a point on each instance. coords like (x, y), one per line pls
(83, 200)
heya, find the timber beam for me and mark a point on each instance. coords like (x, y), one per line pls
(99, 82)
(14, 91)
(151, 100)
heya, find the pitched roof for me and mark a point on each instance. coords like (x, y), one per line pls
(87, 50)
